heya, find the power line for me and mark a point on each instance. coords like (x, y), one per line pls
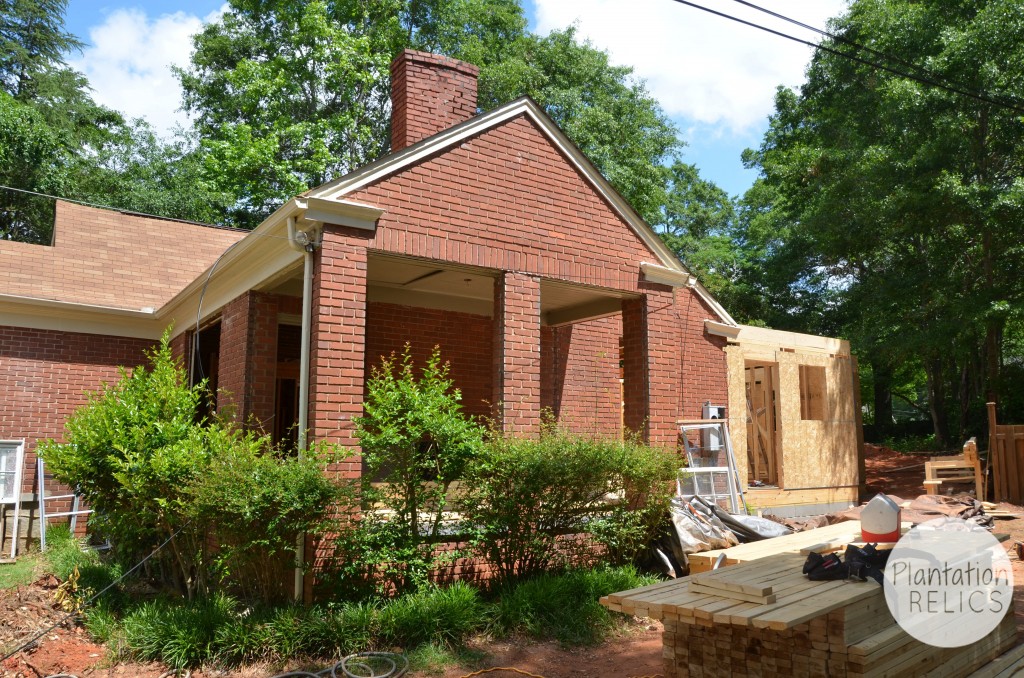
(853, 57)
(837, 38)
(856, 45)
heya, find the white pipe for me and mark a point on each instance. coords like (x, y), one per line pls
(307, 314)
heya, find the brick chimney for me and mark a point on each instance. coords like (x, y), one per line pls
(429, 93)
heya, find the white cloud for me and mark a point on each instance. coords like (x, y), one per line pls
(128, 63)
(701, 67)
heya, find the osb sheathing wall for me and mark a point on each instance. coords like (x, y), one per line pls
(814, 454)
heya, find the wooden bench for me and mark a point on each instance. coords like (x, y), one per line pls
(965, 468)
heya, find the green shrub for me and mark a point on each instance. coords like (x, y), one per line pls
(564, 606)
(155, 471)
(255, 503)
(131, 451)
(415, 442)
(645, 481)
(524, 495)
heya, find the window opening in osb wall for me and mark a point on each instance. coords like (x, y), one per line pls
(813, 393)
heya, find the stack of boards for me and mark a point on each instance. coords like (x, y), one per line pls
(821, 540)
(765, 618)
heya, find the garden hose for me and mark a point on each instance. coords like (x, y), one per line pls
(502, 668)
(359, 665)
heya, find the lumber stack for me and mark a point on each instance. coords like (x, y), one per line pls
(765, 618)
(822, 540)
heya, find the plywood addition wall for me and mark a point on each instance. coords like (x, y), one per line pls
(816, 418)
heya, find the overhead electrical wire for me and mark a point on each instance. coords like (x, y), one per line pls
(1018, 108)
(837, 38)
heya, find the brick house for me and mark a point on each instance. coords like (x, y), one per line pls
(489, 235)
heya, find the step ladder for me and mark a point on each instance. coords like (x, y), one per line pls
(44, 515)
(711, 465)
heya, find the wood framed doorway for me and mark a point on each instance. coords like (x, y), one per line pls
(764, 463)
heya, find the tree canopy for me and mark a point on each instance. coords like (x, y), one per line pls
(289, 95)
(902, 202)
(55, 139)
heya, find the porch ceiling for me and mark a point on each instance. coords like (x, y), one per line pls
(452, 287)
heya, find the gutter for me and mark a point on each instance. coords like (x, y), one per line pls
(306, 243)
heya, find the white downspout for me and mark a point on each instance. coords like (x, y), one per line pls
(301, 241)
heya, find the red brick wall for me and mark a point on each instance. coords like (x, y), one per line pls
(580, 382)
(703, 356)
(465, 342)
(248, 358)
(45, 376)
(429, 94)
(531, 212)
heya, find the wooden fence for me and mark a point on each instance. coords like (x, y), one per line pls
(1006, 459)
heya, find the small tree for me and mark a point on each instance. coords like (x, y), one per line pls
(416, 442)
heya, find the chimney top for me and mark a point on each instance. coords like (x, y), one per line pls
(429, 94)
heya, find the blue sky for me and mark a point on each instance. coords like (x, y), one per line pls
(714, 78)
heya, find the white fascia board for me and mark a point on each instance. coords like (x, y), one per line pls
(342, 213)
(63, 316)
(663, 275)
(260, 256)
(722, 329)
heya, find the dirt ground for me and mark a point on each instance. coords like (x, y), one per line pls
(636, 653)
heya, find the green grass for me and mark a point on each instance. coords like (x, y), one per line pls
(21, 572)
(433, 659)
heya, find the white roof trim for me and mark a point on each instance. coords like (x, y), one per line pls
(666, 276)
(65, 316)
(721, 329)
(337, 189)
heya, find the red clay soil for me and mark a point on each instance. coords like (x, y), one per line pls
(893, 472)
(635, 653)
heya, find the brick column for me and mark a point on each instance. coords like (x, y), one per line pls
(338, 340)
(517, 352)
(651, 366)
(635, 392)
(248, 359)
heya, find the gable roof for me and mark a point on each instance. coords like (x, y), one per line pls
(111, 259)
(341, 187)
